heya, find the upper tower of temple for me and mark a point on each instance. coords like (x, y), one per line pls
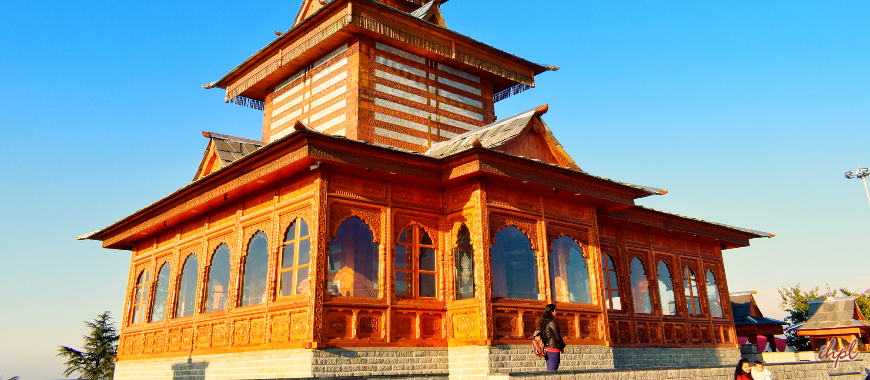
(386, 71)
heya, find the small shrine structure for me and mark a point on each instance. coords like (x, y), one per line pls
(387, 222)
(750, 323)
(837, 322)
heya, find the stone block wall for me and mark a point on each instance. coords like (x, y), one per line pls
(640, 358)
(248, 365)
(476, 362)
(404, 362)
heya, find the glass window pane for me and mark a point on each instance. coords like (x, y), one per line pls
(303, 228)
(256, 270)
(666, 290)
(514, 270)
(463, 265)
(291, 232)
(427, 285)
(304, 252)
(401, 256)
(424, 237)
(569, 272)
(161, 292)
(187, 288)
(691, 289)
(302, 280)
(136, 315)
(713, 296)
(287, 256)
(287, 283)
(403, 238)
(427, 259)
(353, 261)
(640, 288)
(404, 284)
(218, 280)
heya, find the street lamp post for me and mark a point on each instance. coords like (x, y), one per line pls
(862, 174)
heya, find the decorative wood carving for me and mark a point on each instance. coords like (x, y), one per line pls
(498, 222)
(339, 213)
(581, 237)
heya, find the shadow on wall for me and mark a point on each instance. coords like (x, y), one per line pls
(190, 370)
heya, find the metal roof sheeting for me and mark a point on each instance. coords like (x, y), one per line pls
(833, 313)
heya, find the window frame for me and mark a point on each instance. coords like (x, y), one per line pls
(540, 292)
(674, 280)
(143, 286)
(154, 288)
(295, 224)
(608, 289)
(178, 284)
(584, 254)
(457, 263)
(693, 292)
(413, 243)
(646, 274)
(711, 270)
(207, 276)
(243, 268)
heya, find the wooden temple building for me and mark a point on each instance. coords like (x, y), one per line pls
(836, 322)
(750, 323)
(386, 212)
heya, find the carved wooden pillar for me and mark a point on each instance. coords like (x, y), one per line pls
(596, 256)
(319, 258)
(483, 280)
(388, 268)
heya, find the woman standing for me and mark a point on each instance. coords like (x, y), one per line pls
(742, 372)
(552, 337)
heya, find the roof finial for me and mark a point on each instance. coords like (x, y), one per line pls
(476, 142)
(299, 125)
(540, 111)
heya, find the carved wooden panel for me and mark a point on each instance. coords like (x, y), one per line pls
(299, 325)
(580, 235)
(608, 232)
(707, 249)
(165, 240)
(559, 209)
(369, 325)
(636, 237)
(358, 187)
(567, 326)
(187, 338)
(430, 326)
(280, 328)
(175, 340)
(258, 330)
(241, 332)
(655, 333)
(404, 325)
(459, 198)
(505, 325)
(339, 213)
(203, 336)
(402, 221)
(296, 191)
(222, 217)
(498, 222)
(659, 241)
(669, 335)
(414, 196)
(465, 326)
(680, 333)
(338, 324)
(192, 229)
(530, 322)
(684, 246)
(219, 335)
(514, 200)
(258, 203)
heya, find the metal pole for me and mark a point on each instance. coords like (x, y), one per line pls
(865, 189)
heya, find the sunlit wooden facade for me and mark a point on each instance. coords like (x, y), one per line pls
(387, 206)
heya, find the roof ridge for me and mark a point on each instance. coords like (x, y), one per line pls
(213, 135)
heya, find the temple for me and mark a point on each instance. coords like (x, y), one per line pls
(837, 323)
(752, 324)
(387, 222)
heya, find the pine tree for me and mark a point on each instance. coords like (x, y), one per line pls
(97, 358)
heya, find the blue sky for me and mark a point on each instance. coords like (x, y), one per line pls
(747, 112)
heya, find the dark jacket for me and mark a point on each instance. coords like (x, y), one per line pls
(552, 337)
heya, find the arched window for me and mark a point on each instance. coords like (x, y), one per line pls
(140, 298)
(218, 279)
(256, 268)
(666, 290)
(463, 265)
(713, 296)
(640, 288)
(415, 264)
(611, 284)
(568, 272)
(161, 294)
(514, 270)
(295, 257)
(187, 287)
(353, 261)
(693, 299)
